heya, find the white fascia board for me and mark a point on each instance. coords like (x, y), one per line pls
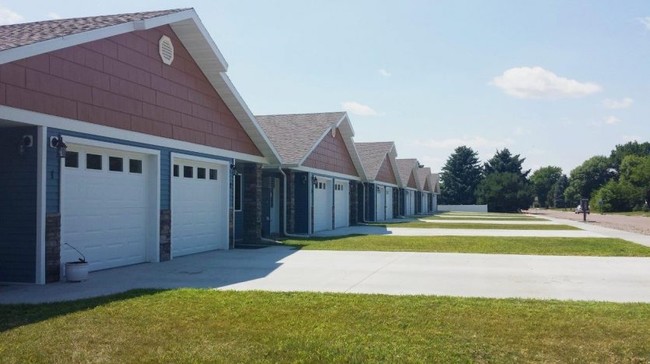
(386, 184)
(198, 43)
(51, 121)
(321, 172)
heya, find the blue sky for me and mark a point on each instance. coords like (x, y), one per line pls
(554, 81)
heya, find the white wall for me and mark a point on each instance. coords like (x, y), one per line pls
(463, 208)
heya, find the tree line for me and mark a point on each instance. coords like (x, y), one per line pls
(620, 182)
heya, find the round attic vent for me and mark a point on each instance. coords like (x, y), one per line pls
(166, 50)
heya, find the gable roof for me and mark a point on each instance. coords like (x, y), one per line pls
(435, 185)
(423, 175)
(372, 157)
(295, 136)
(21, 41)
(405, 168)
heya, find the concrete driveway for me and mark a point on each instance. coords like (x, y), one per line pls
(285, 269)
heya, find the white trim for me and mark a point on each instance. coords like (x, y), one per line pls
(107, 145)
(194, 158)
(321, 172)
(385, 184)
(41, 203)
(35, 118)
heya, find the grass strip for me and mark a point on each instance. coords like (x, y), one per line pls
(192, 325)
(606, 247)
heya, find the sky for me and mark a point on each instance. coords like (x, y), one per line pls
(554, 81)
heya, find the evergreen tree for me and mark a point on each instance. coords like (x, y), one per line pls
(505, 187)
(460, 175)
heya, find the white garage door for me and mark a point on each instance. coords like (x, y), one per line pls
(323, 205)
(410, 203)
(380, 204)
(105, 205)
(425, 203)
(342, 203)
(389, 203)
(199, 206)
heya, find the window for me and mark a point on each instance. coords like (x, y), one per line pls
(135, 166)
(188, 171)
(200, 173)
(93, 161)
(213, 174)
(238, 191)
(115, 164)
(72, 159)
(176, 170)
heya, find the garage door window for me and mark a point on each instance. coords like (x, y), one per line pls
(200, 173)
(93, 161)
(213, 174)
(72, 159)
(135, 166)
(115, 164)
(176, 170)
(188, 172)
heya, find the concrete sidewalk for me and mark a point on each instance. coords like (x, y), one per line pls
(285, 269)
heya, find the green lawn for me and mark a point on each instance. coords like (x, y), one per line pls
(482, 218)
(183, 326)
(477, 244)
(453, 225)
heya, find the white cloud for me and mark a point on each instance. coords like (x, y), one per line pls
(8, 16)
(618, 104)
(53, 15)
(645, 21)
(384, 73)
(536, 82)
(356, 108)
(611, 120)
(473, 142)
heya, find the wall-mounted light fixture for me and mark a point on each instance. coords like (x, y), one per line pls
(27, 141)
(314, 180)
(61, 147)
(304, 179)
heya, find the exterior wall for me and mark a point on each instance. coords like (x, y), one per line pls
(121, 82)
(385, 173)
(301, 213)
(18, 206)
(418, 202)
(252, 201)
(332, 155)
(397, 203)
(371, 202)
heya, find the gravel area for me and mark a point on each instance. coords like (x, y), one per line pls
(635, 224)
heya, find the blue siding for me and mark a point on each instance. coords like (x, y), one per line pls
(165, 161)
(302, 195)
(18, 206)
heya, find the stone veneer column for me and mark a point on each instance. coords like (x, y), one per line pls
(354, 203)
(252, 201)
(165, 234)
(52, 248)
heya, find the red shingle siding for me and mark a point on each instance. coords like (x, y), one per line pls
(385, 173)
(411, 182)
(332, 155)
(121, 82)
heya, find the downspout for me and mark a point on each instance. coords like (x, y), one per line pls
(284, 208)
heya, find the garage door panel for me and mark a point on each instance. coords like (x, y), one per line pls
(323, 205)
(104, 213)
(199, 208)
(341, 203)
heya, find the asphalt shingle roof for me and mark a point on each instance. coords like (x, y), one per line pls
(423, 174)
(404, 168)
(294, 135)
(18, 35)
(372, 155)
